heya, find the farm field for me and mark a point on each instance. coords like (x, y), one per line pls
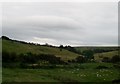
(88, 73)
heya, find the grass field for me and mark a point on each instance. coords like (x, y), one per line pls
(88, 74)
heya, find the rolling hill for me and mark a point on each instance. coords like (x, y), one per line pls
(23, 47)
(96, 49)
(100, 56)
(18, 47)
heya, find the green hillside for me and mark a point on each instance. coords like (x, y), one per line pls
(100, 56)
(96, 48)
(13, 46)
(18, 47)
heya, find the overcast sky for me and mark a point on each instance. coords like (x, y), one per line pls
(67, 23)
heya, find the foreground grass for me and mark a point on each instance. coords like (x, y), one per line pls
(89, 74)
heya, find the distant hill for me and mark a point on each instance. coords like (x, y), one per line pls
(97, 49)
(23, 47)
(100, 56)
(99, 52)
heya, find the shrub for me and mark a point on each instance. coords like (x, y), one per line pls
(117, 66)
(106, 59)
(80, 59)
(116, 81)
(101, 67)
(115, 59)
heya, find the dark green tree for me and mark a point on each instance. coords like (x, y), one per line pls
(61, 47)
(88, 54)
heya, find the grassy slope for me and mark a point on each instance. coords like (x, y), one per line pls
(104, 54)
(99, 56)
(24, 48)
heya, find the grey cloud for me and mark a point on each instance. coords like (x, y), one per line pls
(47, 22)
(62, 23)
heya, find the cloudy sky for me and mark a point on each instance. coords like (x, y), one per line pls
(67, 23)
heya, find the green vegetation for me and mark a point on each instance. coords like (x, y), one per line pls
(110, 54)
(29, 62)
(12, 46)
(100, 56)
(0, 45)
(96, 49)
(88, 74)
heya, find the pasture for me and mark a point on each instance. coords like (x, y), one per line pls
(88, 73)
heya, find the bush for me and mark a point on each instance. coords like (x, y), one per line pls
(80, 59)
(115, 59)
(116, 81)
(30, 58)
(117, 66)
(101, 67)
(9, 57)
(106, 59)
